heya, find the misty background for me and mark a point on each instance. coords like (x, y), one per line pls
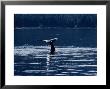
(71, 29)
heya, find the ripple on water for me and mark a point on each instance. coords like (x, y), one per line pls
(67, 61)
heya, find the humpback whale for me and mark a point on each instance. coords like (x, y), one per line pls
(51, 43)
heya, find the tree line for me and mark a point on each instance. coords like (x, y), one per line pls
(55, 20)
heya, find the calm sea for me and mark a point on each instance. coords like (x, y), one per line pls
(76, 52)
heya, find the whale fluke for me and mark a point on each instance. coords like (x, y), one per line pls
(50, 42)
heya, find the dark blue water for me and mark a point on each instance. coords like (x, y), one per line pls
(76, 52)
(79, 37)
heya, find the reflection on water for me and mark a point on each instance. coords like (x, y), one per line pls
(48, 61)
(67, 61)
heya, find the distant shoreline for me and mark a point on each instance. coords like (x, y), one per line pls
(54, 28)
